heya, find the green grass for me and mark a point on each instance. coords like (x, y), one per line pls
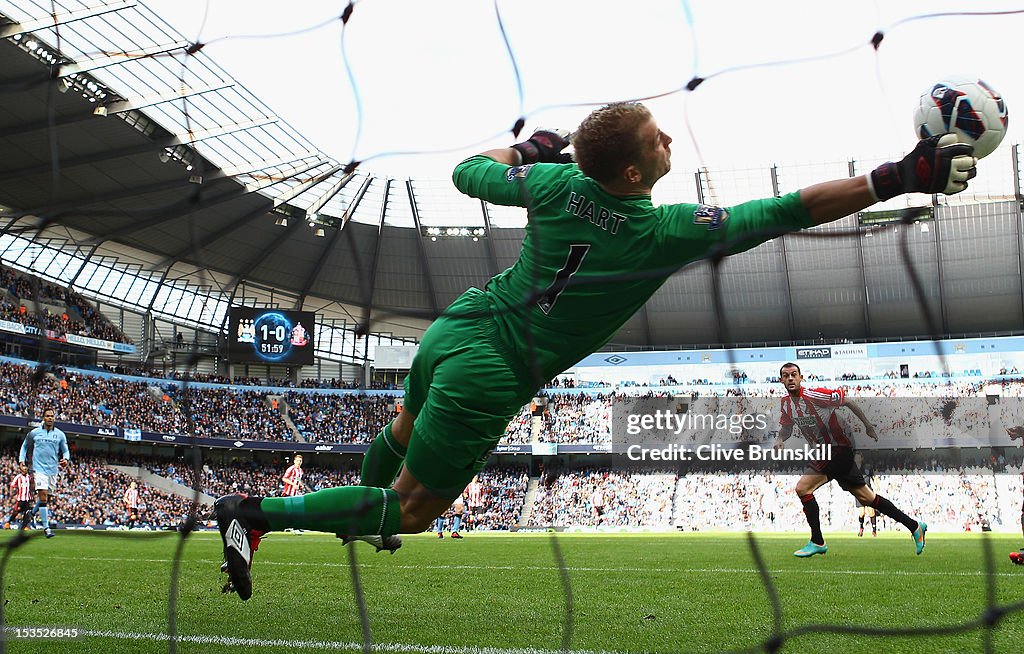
(663, 593)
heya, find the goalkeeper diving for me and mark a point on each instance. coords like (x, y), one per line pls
(596, 248)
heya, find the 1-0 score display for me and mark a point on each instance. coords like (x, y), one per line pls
(271, 336)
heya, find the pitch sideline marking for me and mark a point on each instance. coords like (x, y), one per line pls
(405, 648)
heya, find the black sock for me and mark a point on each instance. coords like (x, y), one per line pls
(813, 518)
(885, 507)
(861, 519)
(874, 523)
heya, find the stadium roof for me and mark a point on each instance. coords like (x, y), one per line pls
(114, 127)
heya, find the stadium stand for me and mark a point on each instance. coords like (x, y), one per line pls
(63, 311)
(154, 404)
(578, 419)
(963, 499)
(236, 414)
(520, 428)
(334, 418)
(633, 498)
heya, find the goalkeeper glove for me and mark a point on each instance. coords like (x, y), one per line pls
(937, 165)
(545, 146)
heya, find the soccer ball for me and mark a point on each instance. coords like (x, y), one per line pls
(966, 106)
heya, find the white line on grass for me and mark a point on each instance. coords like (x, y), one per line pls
(330, 645)
(751, 570)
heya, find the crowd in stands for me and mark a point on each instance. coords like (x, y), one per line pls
(577, 418)
(66, 312)
(331, 418)
(598, 497)
(111, 401)
(90, 493)
(964, 499)
(714, 501)
(958, 499)
(852, 376)
(88, 399)
(504, 488)
(520, 428)
(231, 414)
(925, 415)
(82, 399)
(18, 396)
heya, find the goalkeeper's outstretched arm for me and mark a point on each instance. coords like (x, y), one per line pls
(936, 165)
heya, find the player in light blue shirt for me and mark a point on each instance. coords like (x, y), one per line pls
(48, 448)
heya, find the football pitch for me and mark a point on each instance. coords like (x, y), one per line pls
(503, 594)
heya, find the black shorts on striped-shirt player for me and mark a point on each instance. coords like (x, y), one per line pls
(842, 468)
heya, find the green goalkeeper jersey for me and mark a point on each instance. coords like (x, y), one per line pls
(590, 260)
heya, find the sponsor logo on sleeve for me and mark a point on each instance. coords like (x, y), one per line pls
(712, 217)
(518, 172)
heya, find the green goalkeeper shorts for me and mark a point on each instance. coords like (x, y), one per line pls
(464, 386)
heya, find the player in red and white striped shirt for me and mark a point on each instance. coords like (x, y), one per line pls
(597, 501)
(21, 487)
(475, 497)
(813, 412)
(131, 503)
(293, 478)
(131, 497)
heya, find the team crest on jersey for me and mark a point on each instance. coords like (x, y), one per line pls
(713, 217)
(518, 172)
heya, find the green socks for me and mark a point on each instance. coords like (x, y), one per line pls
(372, 508)
(349, 510)
(382, 460)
